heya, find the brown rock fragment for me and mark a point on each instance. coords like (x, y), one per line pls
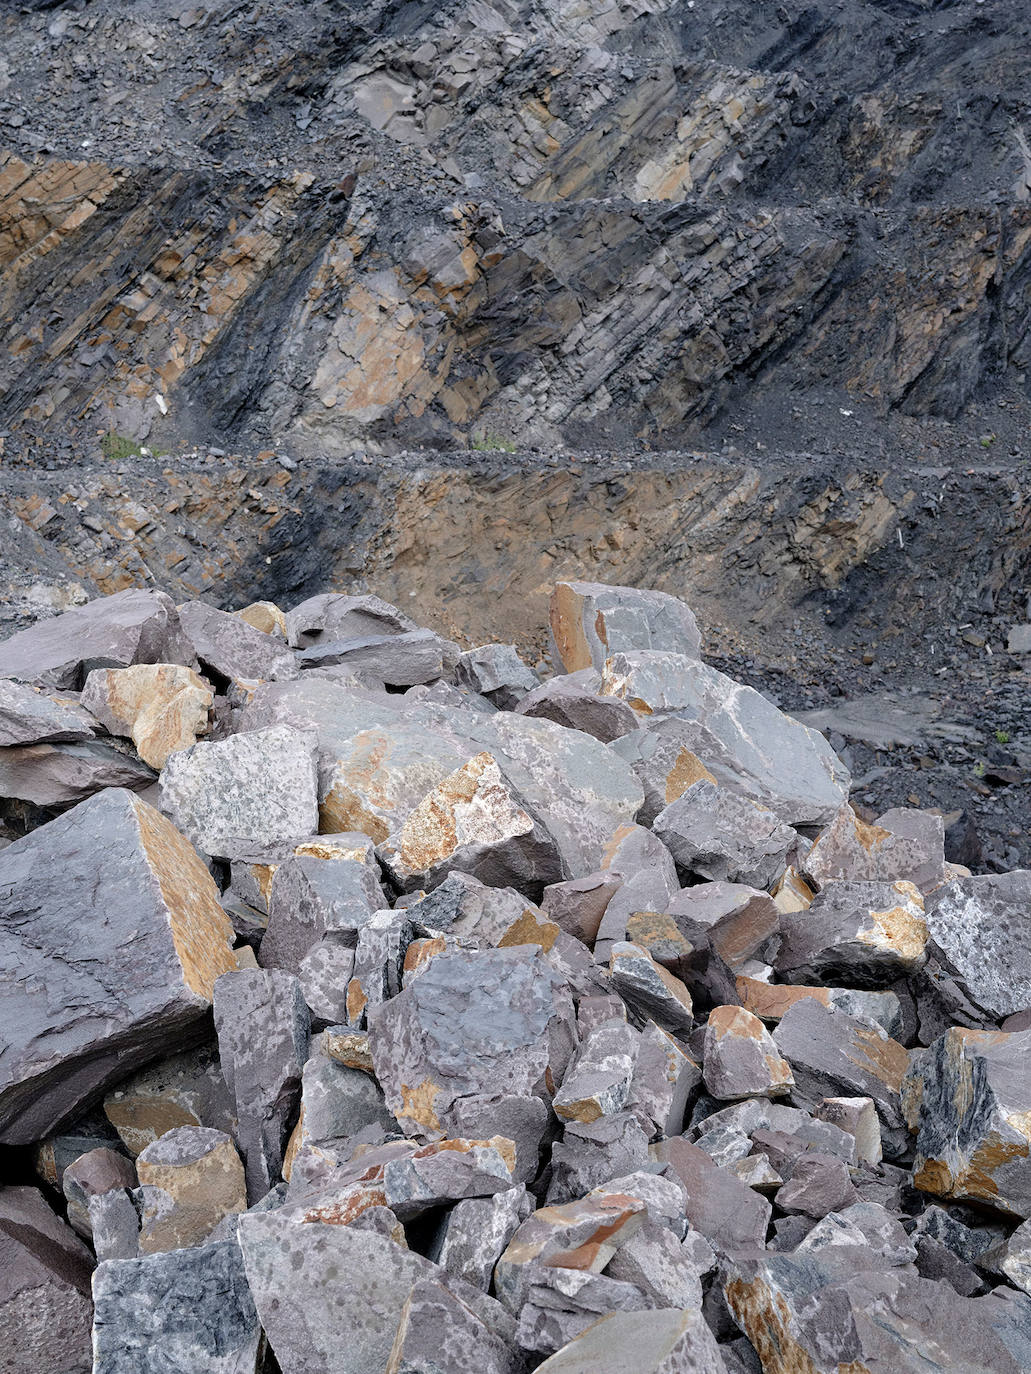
(161, 707)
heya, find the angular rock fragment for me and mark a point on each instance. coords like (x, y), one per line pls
(45, 1307)
(161, 707)
(255, 788)
(660, 1266)
(333, 615)
(573, 701)
(477, 1025)
(652, 992)
(114, 1223)
(112, 911)
(772, 1001)
(231, 647)
(497, 672)
(835, 1055)
(714, 833)
(402, 660)
(62, 774)
(200, 1173)
(664, 1078)
(562, 1303)
(579, 904)
(111, 632)
(591, 1152)
(477, 1232)
(980, 925)
(667, 1341)
(188, 1310)
(91, 1175)
(29, 716)
(740, 1058)
(438, 1331)
(264, 616)
(726, 1211)
(263, 1027)
(819, 1184)
(974, 1138)
(312, 898)
(693, 712)
(590, 621)
(473, 822)
(858, 1116)
(736, 920)
(904, 845)
(337, 1101)
(186, 1090)
(599, 1077)
(865, 934)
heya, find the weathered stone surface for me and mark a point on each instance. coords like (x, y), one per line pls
(736, 920)
(573, 700)
(590, 1153)
(231, 647)
(740, 1058)
(665, 1076)
(562, 1303)
(311, 898)
(337, 1100)
(651, 991)
(264, 616)
(161, 707)
(315, 1323)
(483, 1024)
(600, 1073)
(866, 934)
(478, 1231)
(29, 716)
(114, 1223)
(590, 621)
(112, 632)
(333, 615)
(263, 1027)
(438, 1331)
(660, 1265)
(717, 834)
(188, 1310)
(579, 904)
(667, 1341)
(71, 893)
(62, 774)
(835, 1055)
(91, 1175)
(858, 1116)
(199, 1170)
(497, 672)
(473, 822)
(974, 1138)
(737, 735)
(45, 1307)
(254, 788)
(819, 1184)
(726, 1211)
(185, 1090)
(401, 660)
(980, 926)
(771, 1001)
(901, 844)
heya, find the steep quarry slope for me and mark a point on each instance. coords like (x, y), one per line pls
(323, 224)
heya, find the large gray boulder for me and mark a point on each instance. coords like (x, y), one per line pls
(225, 644)
(250, 789)
(591, 620)
(184, 1312)
(335, 615)
(717, 834)
(981, 926)
(62, 774)
(666, 1341)
(111, 911)
(697, 721)
(112, 632)
(402, 660)
(29, 716)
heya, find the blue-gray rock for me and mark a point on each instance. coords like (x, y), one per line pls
(335, 615)
(62, 774)
(591, 620)
(111, 911)
(497, 672)
(667, 1341)
(184, 1312)
(717, 834)
(402, 660)
(29, 716)
(980, 925)
(229, 647)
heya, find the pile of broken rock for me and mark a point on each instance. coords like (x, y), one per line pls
(373, 1007)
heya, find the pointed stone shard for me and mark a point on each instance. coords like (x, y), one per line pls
(45, 1307)
(649, 989)
(693, 715)
(263, 1027)
(740, 1058)
(473, 822)
(590, 621)
(974, 1137)
(255, 788)
(161, 707)
(980, 925)
(476, 1025)
(111, 632)
(573, 701)
(497, 672)
(229, 646)
(865, 934)
(901, 844)
(715, 833)
(477, 1232)
(200, 1173)
(111, 910)
(189, 1309)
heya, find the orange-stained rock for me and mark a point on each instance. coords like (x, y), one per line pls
(265, 616)
(198, 1179)
(161, 707)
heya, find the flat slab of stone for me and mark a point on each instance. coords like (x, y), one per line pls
(667, 1341)
(29, 716)
(111, 911)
